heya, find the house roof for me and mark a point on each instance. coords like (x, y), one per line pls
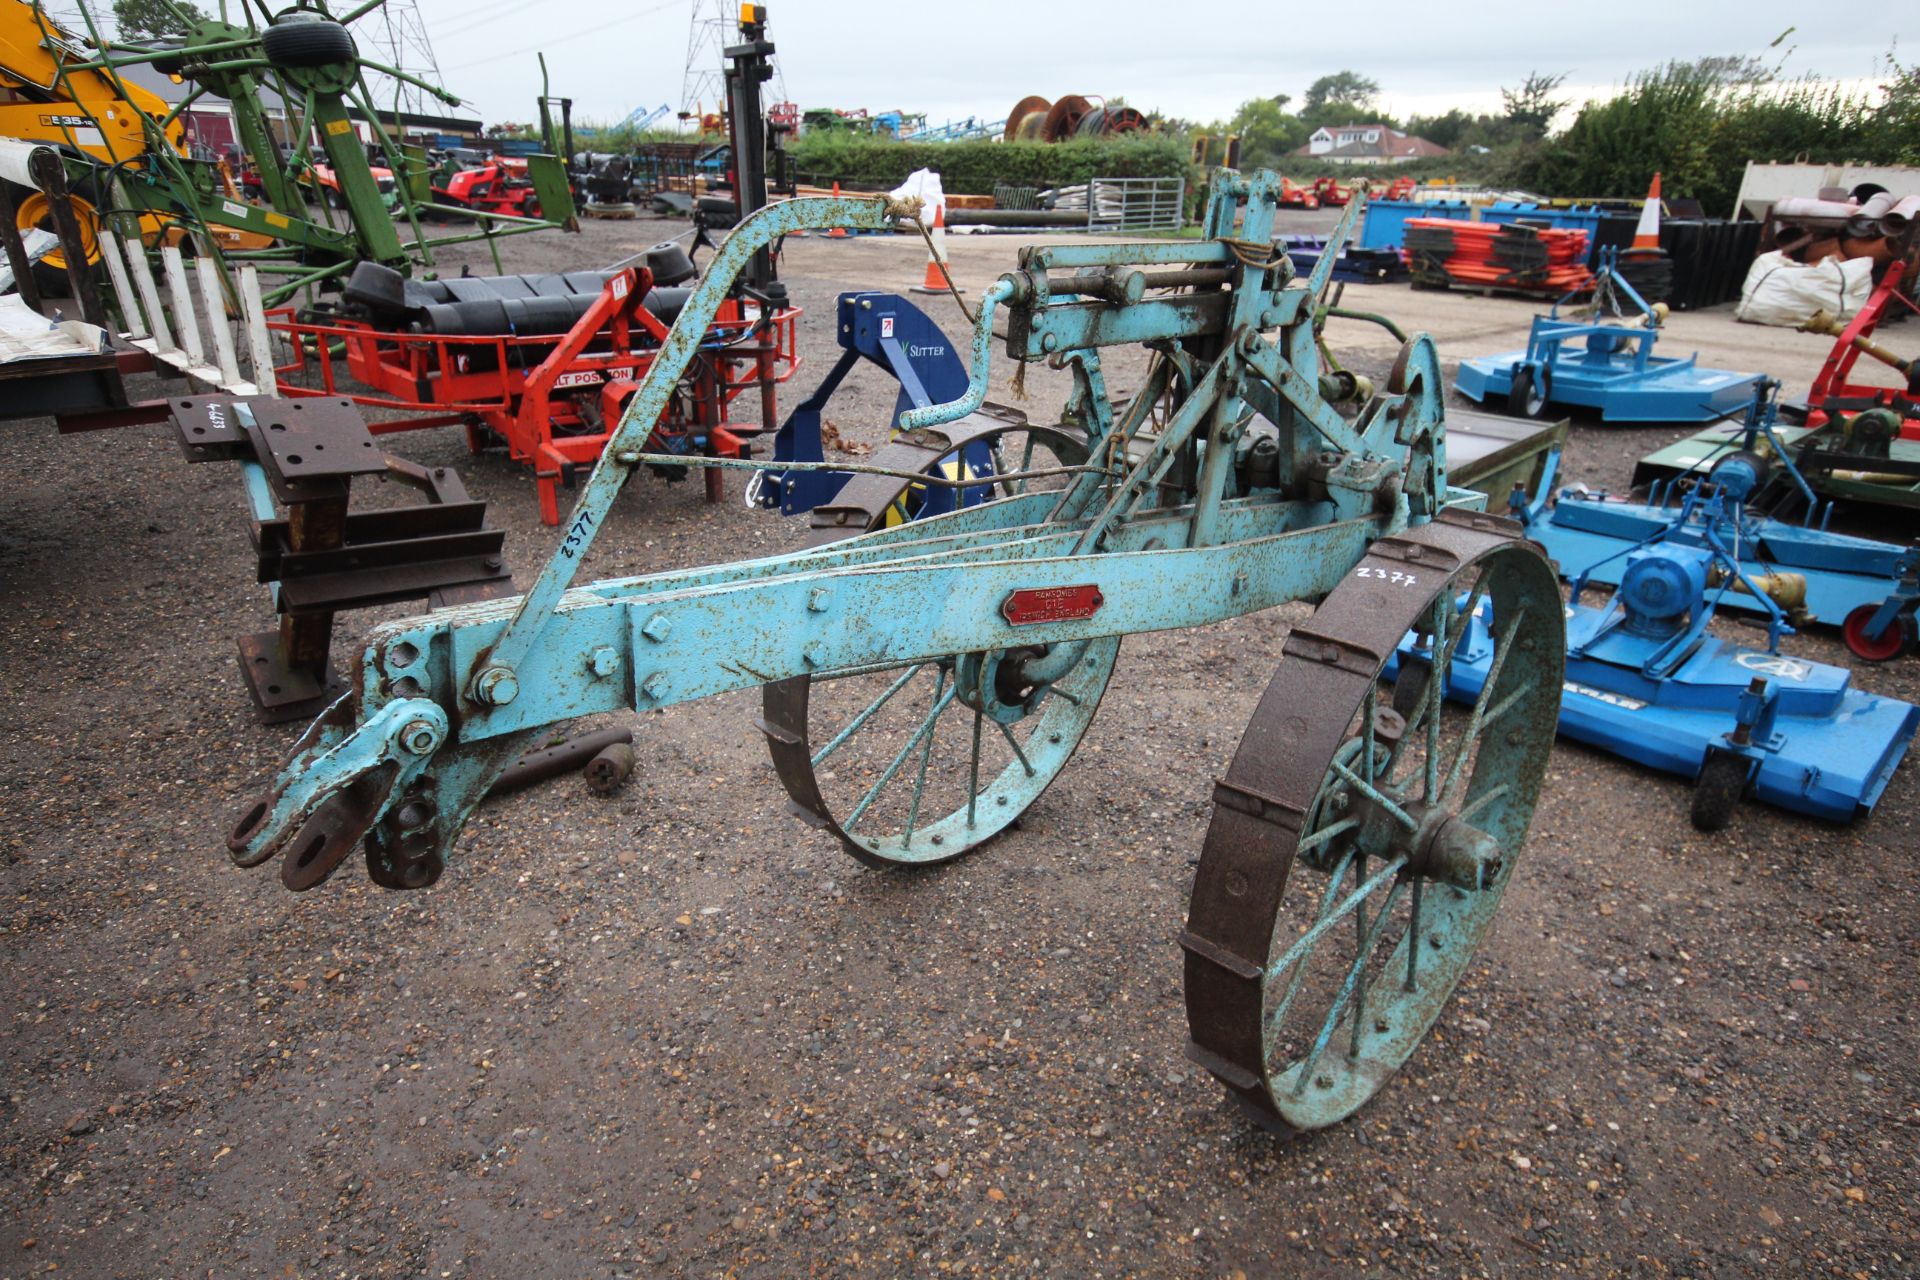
(1393, 145)
(1332, 128)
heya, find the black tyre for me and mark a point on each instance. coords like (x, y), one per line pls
(291, 42)
(1531, 389)
(1718, 790)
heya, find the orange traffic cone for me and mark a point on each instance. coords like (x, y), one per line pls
(838, 233)
(1647, 234)
(937, 279)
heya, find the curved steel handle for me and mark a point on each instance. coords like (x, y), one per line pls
(977, 368)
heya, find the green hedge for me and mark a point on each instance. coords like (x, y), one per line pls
(972, 168)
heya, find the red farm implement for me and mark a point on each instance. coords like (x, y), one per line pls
(1330, 193)
(542, 364)
(1835, 391)
(1294, 196)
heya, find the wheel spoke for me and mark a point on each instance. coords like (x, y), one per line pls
(1366, 726)
(1304, 943)
(1378, 796)
(1323, 919)
(973, 769)
(920, 777)
(1444, 660)
(1360, 938)
(1482, 800)
(1015, 744)
(926, 727)
(1368, 939)
(1325, 834)
(853, 725)
(1414, 899)
(1436, 692)
(1503, 647)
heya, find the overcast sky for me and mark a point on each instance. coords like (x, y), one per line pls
(977, 59)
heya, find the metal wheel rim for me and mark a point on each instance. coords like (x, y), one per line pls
(1053, 732)
(1887, 646)
(1054, 735)
(1246, 944)
(35, 212)
(1536, 398)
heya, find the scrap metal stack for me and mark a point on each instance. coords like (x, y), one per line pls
(1475, 255)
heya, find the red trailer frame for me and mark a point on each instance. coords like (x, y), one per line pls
(1832, 391)
(552, 399)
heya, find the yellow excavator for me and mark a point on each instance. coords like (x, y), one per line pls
(89, 110)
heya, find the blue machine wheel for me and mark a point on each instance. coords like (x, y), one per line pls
(918, 764)
(1531, 390)
(1366, 828)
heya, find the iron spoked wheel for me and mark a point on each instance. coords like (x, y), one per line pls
(920, 763)
(1357, 853)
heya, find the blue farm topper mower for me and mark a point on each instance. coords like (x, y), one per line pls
(924, 681)
(1603, 366)
(1648, 681)
(1805, 568)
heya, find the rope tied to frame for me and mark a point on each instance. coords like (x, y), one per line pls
(1255, 254)
(910, 208)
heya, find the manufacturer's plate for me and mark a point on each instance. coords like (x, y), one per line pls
(1025, 607)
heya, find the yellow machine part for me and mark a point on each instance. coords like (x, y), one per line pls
(1788, 590)
(92, 112)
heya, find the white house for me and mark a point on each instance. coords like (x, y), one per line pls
(1366, 144)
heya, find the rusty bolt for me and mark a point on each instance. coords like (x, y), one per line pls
(657, 628)
(497, 686)
(1049, 342)
(420, 737)
(819, 598)
(603, 661)
(654, 685)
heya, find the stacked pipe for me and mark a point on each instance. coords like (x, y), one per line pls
(1443, 253)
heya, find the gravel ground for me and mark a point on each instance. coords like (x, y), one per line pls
(678, 1033)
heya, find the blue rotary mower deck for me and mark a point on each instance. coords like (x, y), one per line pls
(1587, 534)
(1818, 745)
(1609, 368)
